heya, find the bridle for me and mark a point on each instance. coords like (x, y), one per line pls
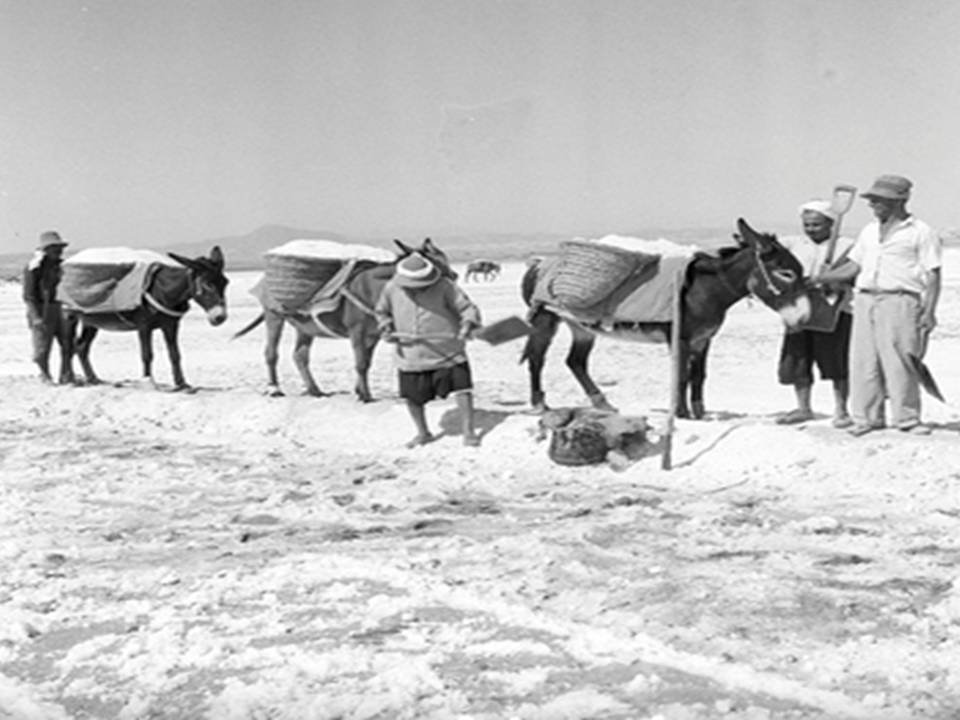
(787, 276)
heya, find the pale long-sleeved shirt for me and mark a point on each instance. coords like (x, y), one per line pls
(427, 323)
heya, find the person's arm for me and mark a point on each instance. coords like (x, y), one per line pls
(384, 315)
(844, 274)
(928, 313)
(468, 311)
(31, 294)
(930, 257)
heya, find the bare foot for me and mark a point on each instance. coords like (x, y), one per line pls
(419, 440)
(795, 416)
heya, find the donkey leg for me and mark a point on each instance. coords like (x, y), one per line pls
(577, 360)
(683, 382)
(301, 359)
(145, 335)
(87, 334)
(170, 333)
(363, 342)
(543, 326)
(698, 374)
(67, 339)
(274, 327)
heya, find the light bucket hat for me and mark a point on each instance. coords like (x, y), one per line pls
(51, 238)
(889, 187)
(415, 271)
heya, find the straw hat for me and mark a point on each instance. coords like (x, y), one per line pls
(889, 187)
(51, 238)
(415, 271)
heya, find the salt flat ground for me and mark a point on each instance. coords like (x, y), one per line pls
(228, 555)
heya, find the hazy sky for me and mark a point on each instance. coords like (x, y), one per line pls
(157, 121)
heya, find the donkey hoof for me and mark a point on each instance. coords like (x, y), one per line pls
(274, 391)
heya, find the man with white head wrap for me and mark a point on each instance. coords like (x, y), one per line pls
(828, 351)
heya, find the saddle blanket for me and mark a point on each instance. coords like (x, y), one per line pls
(646, 297)
(107, 280)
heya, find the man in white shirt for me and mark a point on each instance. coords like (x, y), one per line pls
(896, 262)
(828, 351)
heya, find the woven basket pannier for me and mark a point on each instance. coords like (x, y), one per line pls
(88, 284)
(587, 272)
(291, 280)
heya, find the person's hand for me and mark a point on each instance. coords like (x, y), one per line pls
(388, 337)
(928, 321)
(466, 332)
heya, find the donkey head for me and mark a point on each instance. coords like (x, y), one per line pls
(432, 253)
(777, 278)
(208, 283)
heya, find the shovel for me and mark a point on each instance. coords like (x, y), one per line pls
(923, 372)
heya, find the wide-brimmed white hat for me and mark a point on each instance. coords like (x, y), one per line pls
(415, 271)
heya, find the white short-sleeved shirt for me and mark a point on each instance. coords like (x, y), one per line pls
(813, 256)
(899, 258)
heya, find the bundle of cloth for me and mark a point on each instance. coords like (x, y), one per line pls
(111, 279)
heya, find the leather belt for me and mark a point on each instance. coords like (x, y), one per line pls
(879, 291)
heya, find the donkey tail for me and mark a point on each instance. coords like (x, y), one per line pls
(256, 321)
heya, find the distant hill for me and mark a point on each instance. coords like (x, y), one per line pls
(245, 252)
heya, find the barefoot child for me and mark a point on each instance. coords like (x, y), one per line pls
(429, 318)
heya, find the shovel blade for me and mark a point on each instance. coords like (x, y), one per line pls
(503, 331)
(926, 378)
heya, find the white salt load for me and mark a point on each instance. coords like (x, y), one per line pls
(296, 270)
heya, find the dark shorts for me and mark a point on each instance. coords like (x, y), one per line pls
(421, 387)
(830, 353)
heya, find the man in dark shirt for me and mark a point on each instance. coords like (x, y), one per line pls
(40, 279)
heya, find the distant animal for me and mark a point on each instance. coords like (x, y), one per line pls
(353, 318)
(482, 269)
(166, 299)
(758, 264)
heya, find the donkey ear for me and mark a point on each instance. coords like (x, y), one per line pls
(216, 257)
(186, 262)
(428, 245)
(748, 235)
(404, 248)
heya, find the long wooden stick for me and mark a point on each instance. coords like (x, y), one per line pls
(675, 356)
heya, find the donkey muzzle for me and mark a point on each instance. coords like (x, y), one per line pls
(217, 315)
(796, 311)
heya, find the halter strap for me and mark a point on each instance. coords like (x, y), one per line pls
(157, 305)
(771, 288)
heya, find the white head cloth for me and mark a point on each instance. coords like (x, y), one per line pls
(819, 206)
